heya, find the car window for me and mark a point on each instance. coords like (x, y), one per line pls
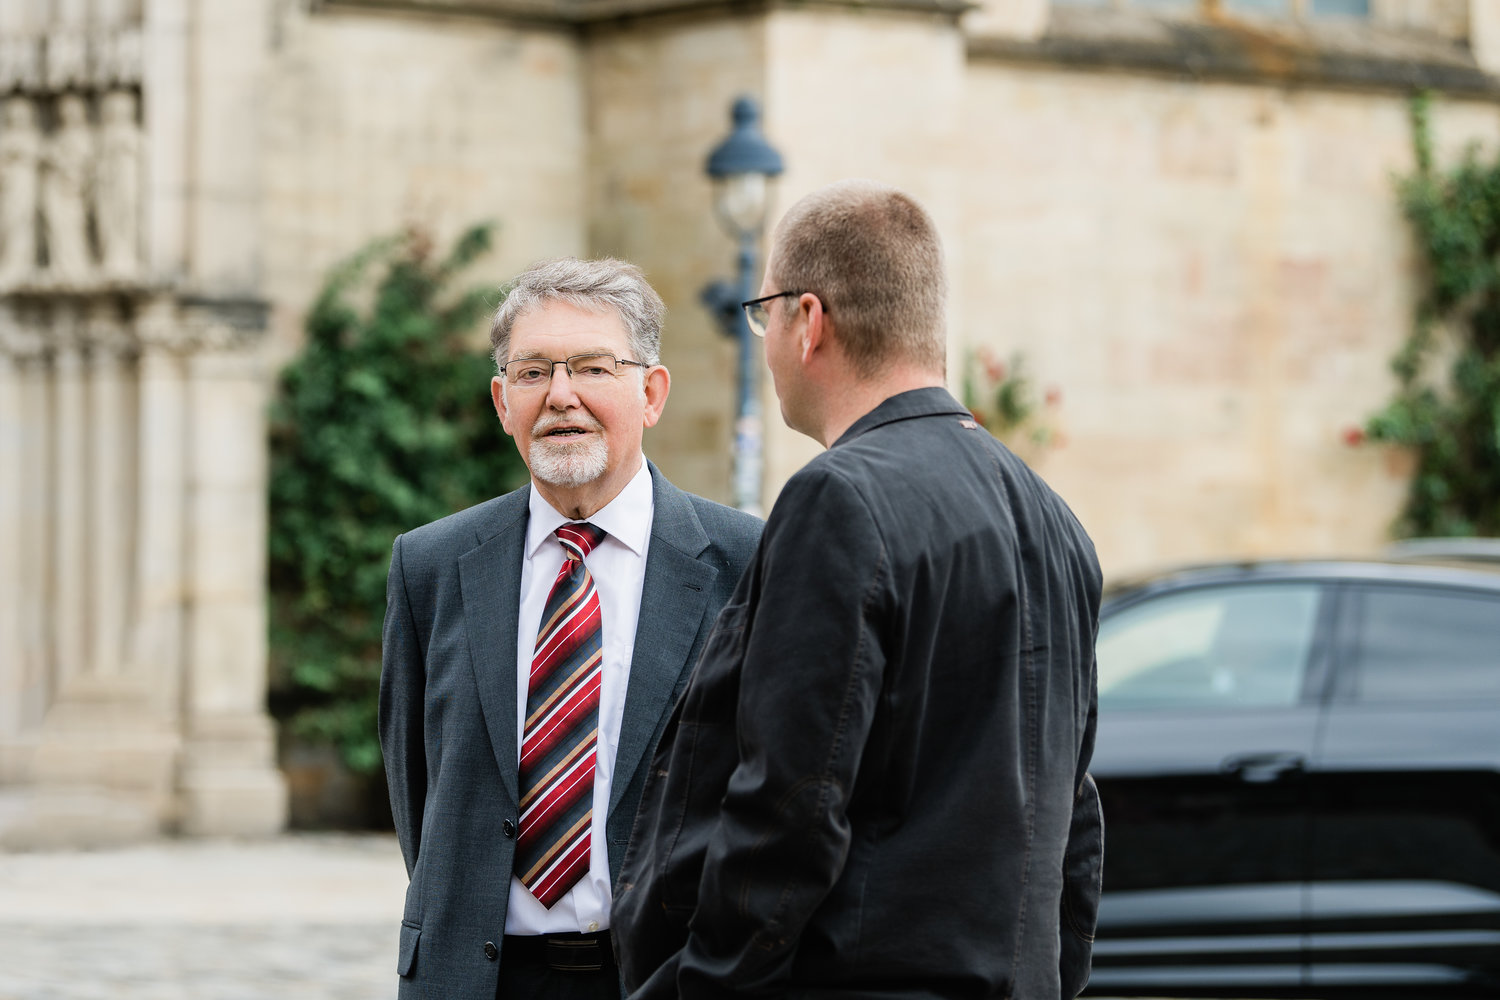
(1427, 646)
(1231, 646)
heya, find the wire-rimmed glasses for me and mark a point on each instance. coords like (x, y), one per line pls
(758, 316)
(587, 369)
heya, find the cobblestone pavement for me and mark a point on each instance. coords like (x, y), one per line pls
(301, 917)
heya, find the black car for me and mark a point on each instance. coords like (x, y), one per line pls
(1300, 769)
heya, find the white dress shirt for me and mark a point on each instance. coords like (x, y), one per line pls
(618, 566)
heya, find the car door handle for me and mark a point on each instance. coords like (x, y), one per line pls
(1263, 768)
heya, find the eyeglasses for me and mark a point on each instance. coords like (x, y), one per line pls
(759, 317)
(587, 369)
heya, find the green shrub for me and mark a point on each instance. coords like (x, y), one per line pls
(381, 424)
(1452, 424)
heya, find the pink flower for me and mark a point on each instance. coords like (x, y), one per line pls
(1354, 436)
(1054, 395)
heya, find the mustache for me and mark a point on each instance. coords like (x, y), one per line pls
(545, 424)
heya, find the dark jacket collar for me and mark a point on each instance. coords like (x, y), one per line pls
(904, 406)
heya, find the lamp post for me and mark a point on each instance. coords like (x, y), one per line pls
(741, 167)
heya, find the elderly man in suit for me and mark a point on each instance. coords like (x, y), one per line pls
(533, 646)
(877, 784)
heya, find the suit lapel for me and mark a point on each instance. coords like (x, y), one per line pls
(674, 597)
(490, 579)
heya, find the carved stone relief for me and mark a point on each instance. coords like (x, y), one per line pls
(67, 185)
(119, 184)
(20, 64)
(131, 392)
(66, 59)
(70, 144)
(20, 153)
(70, 193)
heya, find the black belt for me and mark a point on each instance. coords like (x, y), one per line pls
(561, 952)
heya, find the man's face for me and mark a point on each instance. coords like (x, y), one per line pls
(582, 442)
(783, 352)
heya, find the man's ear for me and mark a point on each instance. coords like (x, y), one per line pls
(658, 382)
(497, 393)
(816, 327)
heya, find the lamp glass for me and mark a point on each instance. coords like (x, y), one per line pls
(740, 202)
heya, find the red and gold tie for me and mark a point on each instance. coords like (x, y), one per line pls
(562, 728)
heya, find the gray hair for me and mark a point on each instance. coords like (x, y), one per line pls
(595, 285)
(872, 254)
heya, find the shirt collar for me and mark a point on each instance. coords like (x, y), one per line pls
(626, 518)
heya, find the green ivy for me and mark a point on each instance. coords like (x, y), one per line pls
(381, 424)
(1452, 425)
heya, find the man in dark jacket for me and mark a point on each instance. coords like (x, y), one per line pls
(875, 781)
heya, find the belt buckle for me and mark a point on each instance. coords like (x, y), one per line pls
(574, 956)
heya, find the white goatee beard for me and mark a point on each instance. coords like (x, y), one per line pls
(567, 463)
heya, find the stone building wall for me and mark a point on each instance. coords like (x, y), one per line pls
(132, 474)
(880, 95)
(1185, 222)
(1214, 278)
(376, 120)
(650, 202)
(1209, 269)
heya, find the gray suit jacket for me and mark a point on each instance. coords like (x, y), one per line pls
(448, 710)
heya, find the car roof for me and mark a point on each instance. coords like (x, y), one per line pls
(1465, 551)
(1410, 568)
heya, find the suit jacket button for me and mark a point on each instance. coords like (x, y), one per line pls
(509, 829)
(490, 951)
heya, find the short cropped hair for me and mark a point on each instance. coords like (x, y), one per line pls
(873, 256)
(595, 285)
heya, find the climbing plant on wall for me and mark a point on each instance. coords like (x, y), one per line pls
(1003, 398)
(381, 424)
(1447, 404)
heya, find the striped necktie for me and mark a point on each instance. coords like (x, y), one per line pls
(562, 728)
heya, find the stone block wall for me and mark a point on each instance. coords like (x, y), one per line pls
(658, 102)
(132, 478)
(374, 121)
(879, 94)
(1191, 235)
(1213, 277)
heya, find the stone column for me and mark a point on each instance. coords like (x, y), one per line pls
(11, 530)
(17, 674)
(111, 486)
(160, 535)
(32, 490)
(106, 765)
(230, 782)
(70, 619)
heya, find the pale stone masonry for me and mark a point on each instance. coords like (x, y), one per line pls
(132, 448)
(1185, 221)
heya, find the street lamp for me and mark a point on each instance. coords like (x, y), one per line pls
(741, 167)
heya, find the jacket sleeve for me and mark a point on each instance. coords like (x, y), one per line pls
(1083, 862)
(403, 678)
(809, 689)
(1083, 869)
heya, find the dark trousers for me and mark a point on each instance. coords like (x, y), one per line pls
(558, 967)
